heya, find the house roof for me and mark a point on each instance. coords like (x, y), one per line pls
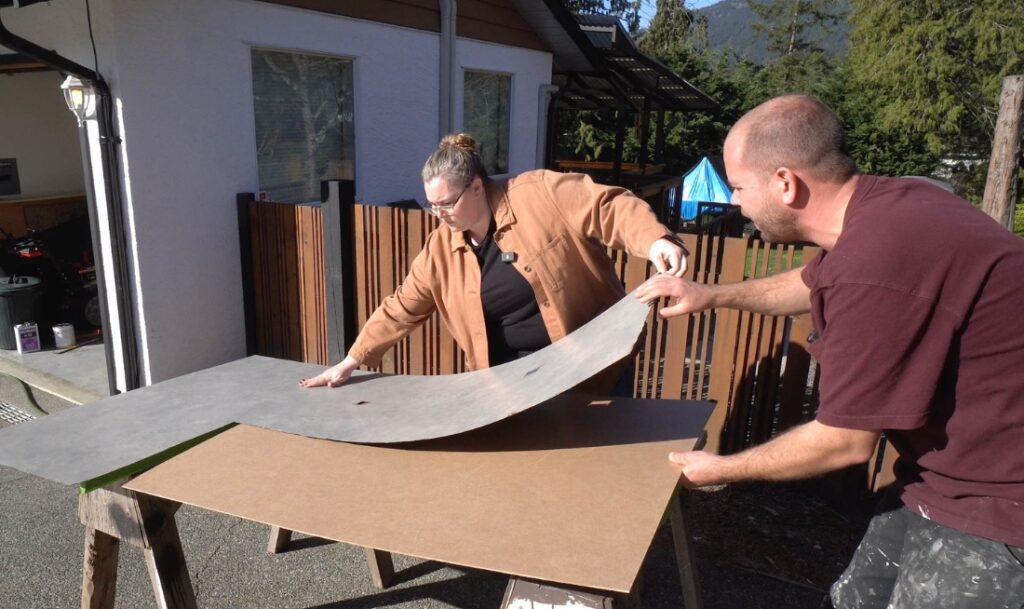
(597, 66)
(595, 62)
(557, 26)
(625, 77)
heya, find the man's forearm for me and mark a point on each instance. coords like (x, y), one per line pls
(781, 294)
(803, 452)
(809, 450)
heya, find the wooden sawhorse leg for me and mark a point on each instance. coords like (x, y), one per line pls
(279, 540)
(686, 560)
(99, 571)
(112, 515)
(382, 568)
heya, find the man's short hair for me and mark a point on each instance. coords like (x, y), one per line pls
(799, 132)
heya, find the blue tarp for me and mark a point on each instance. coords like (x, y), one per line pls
(702, 183)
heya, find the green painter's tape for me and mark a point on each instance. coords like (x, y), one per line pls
(142, 465)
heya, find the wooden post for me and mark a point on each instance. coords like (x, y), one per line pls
(1001, 185)
(551, 136)
(644, 121)
(620, 138)
(659, 138)
(338, 199)
(243, 200)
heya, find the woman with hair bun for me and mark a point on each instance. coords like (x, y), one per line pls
(516, 263)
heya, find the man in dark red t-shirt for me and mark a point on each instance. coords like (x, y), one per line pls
(918, 303)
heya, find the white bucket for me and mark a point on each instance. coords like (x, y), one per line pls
(63, 336)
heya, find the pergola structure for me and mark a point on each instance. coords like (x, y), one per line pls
(624, 77)
(596, 66)
(626, 80)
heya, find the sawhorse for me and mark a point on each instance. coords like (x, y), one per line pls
(382, 571)
(112, 515)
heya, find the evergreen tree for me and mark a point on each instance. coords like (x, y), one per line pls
(932, 71)
(800, 64)
(677, 37)
(787, 23)
(890, 152)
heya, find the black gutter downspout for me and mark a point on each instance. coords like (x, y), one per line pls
(115, 216)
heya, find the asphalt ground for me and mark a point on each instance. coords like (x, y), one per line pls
(41, 550)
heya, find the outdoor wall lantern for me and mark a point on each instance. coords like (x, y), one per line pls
(80, 97)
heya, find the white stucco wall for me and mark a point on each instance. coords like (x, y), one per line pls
(181, 74)
(37, 129)
(189, 157)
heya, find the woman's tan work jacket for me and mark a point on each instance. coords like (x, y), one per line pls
(558, 225)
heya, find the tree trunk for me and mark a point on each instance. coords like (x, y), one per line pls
(1001, 185)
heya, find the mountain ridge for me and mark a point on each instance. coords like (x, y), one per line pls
(731, 28)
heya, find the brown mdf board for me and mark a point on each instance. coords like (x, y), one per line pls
(570, 492)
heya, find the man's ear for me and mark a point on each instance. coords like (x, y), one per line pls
(787, 185)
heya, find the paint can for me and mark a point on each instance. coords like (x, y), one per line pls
(27, 337)
(63, 336)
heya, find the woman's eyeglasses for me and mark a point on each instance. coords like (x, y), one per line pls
(444, 208)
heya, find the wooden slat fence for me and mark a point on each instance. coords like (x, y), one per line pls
(752, 353)
(756, 367)
(286, 270)
(386, 241)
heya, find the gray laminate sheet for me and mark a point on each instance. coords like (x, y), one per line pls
(90, 441)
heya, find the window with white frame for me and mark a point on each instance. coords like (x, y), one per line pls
(486, 116)
(304, 124)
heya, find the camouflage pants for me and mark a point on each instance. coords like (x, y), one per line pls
(906, 561)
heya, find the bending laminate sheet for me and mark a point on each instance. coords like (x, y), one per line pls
(91, 441)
